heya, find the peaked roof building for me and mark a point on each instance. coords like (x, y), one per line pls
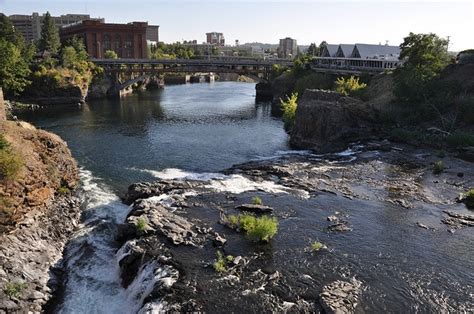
(366, 51)
(329, 50)
(344, 51)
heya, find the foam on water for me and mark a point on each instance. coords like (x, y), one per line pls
(93, 282)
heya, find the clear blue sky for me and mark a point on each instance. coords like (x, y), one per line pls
(267, 21)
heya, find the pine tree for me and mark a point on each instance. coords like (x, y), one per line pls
(6, 29)
(49, 35)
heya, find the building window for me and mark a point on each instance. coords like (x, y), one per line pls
(118, 45)
(128, 46)
(107, 42)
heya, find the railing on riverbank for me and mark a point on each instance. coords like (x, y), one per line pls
(353, 65)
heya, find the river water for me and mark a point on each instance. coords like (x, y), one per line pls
(196, 130)
(182, 129)
(193, 127)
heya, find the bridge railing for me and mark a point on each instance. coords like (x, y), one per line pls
(194, 62)
(355, 64)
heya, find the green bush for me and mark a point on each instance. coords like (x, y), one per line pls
(256, 228)
(316, 246)
(10, 164)
(14, 289)
(142, 225)
(460, 139)
(63, 190)
(220, 264)
(468, 198)
(110, 54)
(3, 142)
(349, 86)
(288, 108)
(438, 167)
(259, 229)
(257, 200)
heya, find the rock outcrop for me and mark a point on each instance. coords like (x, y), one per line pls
(47, 167)
(37, 216)
(282, 87)
(341, 296)
(328, 121)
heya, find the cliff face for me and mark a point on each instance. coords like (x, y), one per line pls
(37, 216)
(48, 166)
(328, 121)
(282, 87)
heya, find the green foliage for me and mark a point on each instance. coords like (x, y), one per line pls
(257, 200)
(424, 56)
(229, 258)
(14, 289)
(13, 68)
(468, 198)
(49, 36)
(10, 162)
(110, 54)
(277, 70)
(313, 50)
(262, 228)
(438, 167)
(233, 220)
(314, 81)
(349, 86)
(7, 31)
(141, 225)
(69, 57)
(316, 246)
(170, 51)
(289, 111)
(220, 264)
(63, 190)
(300, 65)
(460, 139)
(3, 142)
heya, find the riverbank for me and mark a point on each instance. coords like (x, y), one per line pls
(39, 211)
(378, 212)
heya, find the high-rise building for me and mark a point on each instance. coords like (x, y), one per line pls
(153, 34)
(215, 38)
(30, 25)
(288, 48)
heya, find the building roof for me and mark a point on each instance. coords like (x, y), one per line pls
(329, 50)
(367, 51)
(345, 50)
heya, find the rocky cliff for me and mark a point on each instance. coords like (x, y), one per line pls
(37, 216)
(327, 121)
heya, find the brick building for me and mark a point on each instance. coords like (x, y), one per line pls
(215, 38)
(127, 40)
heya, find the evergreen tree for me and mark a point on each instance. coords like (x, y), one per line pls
(49, 35)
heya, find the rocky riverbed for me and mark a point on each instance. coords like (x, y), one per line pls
(391, 234)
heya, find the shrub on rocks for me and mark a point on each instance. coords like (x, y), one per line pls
(438, 167)
(257, 200)
(261, 228)
(10, 161)
(14, 289)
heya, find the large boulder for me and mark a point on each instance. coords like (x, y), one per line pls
(282, 87)
(328, 121)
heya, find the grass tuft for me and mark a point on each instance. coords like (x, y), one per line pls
(14, 289)
(316, 246)
(438, 167)
(142, 225)
(257, 200)
(220, 263)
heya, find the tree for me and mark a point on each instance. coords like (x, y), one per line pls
(110, 54)
(7, 31)
(49, 35)
(13, 68)
(313, 50)
(424, 56)
(69, 57)
(80, 48)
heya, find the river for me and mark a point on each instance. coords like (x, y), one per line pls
(194, 131)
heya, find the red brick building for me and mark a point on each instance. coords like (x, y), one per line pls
(127, 40)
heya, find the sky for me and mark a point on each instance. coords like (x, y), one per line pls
(267, 21)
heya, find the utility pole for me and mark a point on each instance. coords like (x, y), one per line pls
(447, 46)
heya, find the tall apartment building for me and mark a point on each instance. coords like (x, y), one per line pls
(288, 48)
(30, 25)
(215, 38)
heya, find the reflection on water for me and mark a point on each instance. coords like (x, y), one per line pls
(198, 127)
